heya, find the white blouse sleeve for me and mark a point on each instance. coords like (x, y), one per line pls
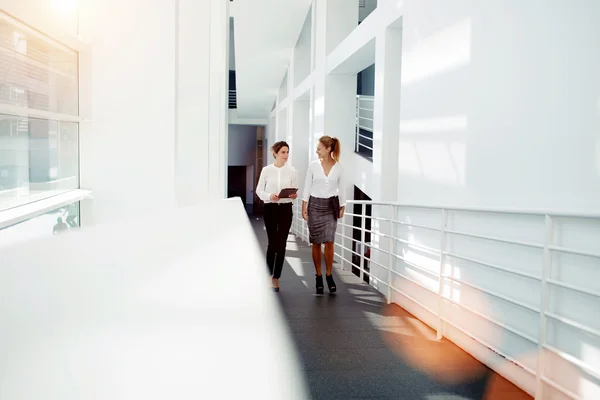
(262, 185)
(308, 183)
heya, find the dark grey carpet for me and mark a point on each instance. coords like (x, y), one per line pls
(355, 346)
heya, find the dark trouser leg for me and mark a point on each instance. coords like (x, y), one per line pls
(283, 230)
(270, 219)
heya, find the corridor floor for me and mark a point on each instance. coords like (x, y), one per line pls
(354, 346)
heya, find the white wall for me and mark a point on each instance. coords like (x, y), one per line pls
(158, 106)
(501, 117)
(133, 144)
(242, 145)
(60, 13)
(283, 87)
(302, 51)
(270, 132)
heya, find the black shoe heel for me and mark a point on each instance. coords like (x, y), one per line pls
(319, 284)
(331, 283)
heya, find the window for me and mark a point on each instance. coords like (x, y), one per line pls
(55, 222)
(39, 115)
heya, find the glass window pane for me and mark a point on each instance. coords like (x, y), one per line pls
(36, 72)
(38, 159)
(55, 222)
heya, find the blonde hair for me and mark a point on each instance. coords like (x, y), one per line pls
(333, 144)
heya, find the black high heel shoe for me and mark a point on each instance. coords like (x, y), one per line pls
(330, 283)
(319, 284)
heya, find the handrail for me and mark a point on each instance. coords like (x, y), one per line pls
(232, 98)
(491, 210)
(364, 122)
(15, 215)
(384, 257)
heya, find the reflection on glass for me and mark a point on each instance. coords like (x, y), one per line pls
(36, 72)
(38, 159)
(55, 222)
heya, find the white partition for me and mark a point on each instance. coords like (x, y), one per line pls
(147, 308)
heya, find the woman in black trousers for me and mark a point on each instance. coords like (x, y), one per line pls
(278, 212)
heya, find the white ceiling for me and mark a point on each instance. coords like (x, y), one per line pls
(265, 33)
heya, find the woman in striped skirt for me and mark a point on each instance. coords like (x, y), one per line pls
(323, 203)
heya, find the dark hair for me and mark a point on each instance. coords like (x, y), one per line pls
(333, 144)
(276, 148)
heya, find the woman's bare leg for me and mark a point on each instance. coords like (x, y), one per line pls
(316, 256)
(329, 257)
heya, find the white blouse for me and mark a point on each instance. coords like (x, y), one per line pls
(322, 186)
(273, 179)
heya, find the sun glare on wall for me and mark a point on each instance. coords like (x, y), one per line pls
(65, 5)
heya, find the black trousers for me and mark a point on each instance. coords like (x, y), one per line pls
(278, 220)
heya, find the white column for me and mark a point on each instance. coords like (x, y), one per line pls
(332, 21)
(291, 85)
(386, 127)
(274, 134)
(218, 105)
(300, 146)
(386, 114)
(340, 112)
(192, 87)
(319, 62)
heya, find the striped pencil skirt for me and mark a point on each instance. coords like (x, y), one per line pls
(322, 219)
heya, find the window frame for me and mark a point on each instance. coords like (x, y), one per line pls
(54, 31)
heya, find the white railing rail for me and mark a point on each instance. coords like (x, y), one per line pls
(364, 120)
(386, 259)
(232, 98)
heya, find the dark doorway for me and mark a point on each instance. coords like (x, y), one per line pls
(357, 222)
(236, 182)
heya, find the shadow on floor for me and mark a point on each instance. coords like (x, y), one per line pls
(353, 345)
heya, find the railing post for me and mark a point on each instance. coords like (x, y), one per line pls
(343, 252)
(440, 330)
(363, 246)
(544, 300)
(392, 255)
(299, 220)
(356, 129)
(305, 231)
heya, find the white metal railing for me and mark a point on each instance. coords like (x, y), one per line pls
(387, 260)
(364, 120)
(232, 98)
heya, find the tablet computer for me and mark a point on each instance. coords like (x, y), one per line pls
(287, 192)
